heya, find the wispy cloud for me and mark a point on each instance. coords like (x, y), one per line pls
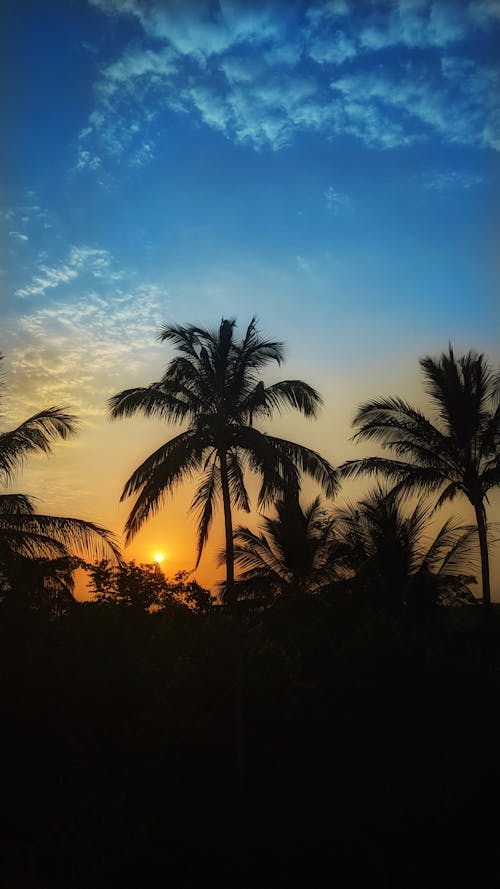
(26, 218)
(79, 351)
(337, 201)
(451, 180)
(415, 101)
(261, 73)
(81, 260)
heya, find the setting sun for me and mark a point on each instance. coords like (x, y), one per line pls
(159, 557)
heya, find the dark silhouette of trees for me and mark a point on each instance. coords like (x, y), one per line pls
(27, 537)
(213, 385)
(145, 587)
(457, 454)
(394, 565)
(295, 553)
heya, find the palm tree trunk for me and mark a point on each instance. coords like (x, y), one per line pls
(483, 548)
(228, 523)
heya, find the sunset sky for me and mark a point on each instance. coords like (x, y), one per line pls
(331, 167)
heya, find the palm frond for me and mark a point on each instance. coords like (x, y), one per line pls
(295, 394)
(174, 461)
(253, 553)
(161, 400)
(406, 476)
(237, 489)
(206, 495)
(23, 543)
(35, 435)
(253, 352)
(308, 461)
(67, 535)
(16, 504)
(463, 553)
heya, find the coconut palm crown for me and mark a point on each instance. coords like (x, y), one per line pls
(459, 453)
(295, 552)
(213, 386)
(393, 559)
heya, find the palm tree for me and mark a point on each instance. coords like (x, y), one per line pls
(295, 553)
(213, 385)
(392, 563)
(457, 454)
(26, 535)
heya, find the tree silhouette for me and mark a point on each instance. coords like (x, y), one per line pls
(394, 564)
(296, 551)
(459, 454)
(213, 385)
(26, 535)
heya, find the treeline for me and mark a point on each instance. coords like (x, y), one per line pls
(264, 748)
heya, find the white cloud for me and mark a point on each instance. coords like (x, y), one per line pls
(81, 260)
(451, 180)
(86, 160)
(27, 216)
(332, 50)
(78, 351)
(245, 70)
(416, 24)
(422, 104)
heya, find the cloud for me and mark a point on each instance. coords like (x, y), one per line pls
(451, 180)
(77, 351)
(416, 101)
(336, 201)
(415, 24)
(27, 216)
(81, 260)
(261, 73)
(328, 50)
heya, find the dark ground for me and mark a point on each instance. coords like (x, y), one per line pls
(306, 748)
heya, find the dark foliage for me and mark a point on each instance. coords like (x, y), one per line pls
(145, 587)
(178, 748)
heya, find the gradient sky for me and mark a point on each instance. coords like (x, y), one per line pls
(331, 167)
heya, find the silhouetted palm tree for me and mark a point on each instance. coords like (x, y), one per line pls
(393, 564)
(23, 533)
(296, 552)
(213, 384)
(460, 454)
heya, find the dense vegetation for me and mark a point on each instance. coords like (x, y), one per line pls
(332, 716)
(157, 749)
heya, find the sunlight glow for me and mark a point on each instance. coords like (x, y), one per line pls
(158, 557)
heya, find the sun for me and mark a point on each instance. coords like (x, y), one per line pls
(159, 557)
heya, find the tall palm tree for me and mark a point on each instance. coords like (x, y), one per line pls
(24, 534)
(394, 564)
(212, 384)
(457, 454)
(296, 551)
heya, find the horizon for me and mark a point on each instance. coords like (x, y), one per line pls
(329, 167)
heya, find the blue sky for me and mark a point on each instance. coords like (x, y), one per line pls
(329, 166)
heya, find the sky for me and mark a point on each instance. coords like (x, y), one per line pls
(330, 167)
